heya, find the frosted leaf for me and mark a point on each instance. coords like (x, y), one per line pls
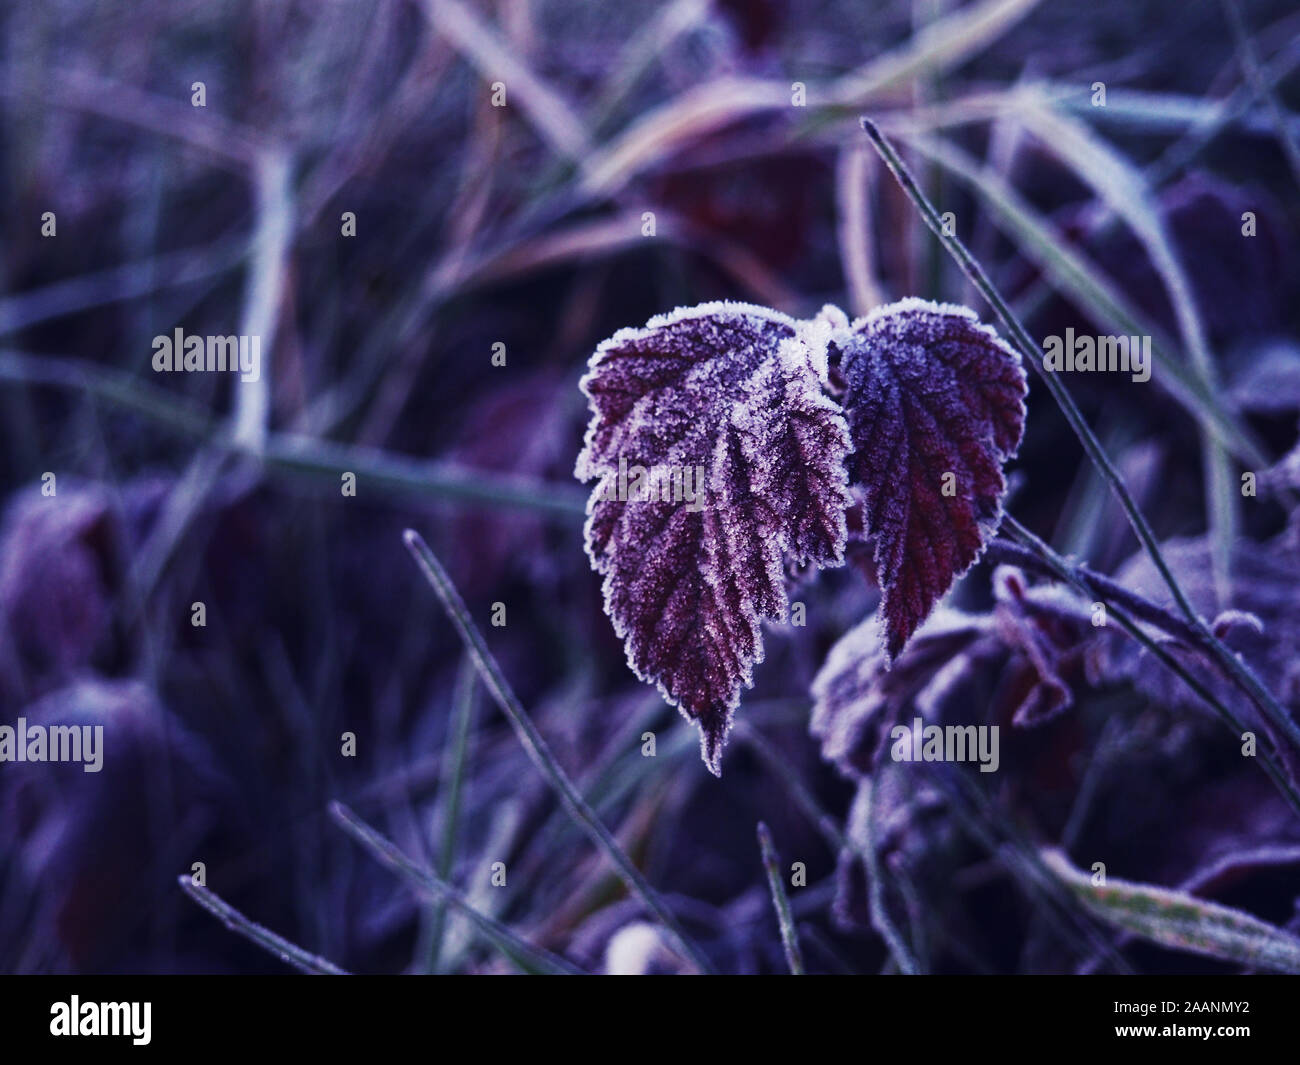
(930, 392)
(744, 464)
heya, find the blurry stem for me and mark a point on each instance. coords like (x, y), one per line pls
(650, 41)
(1194, 140)
(295, 454)
(498, 934)
(1221, 498)
(876, 886)
(118, 284)
(853, 182)
(302, 960)
(263, 290)
(777, 765)
(1253, 69)
(452, 779)
(184, 502)
(780, 902)
(1241, 674)
(1022, 860)
(539, 752)
(550, 114)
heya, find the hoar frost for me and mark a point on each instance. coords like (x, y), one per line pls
(739, 396)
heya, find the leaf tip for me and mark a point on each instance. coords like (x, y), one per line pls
(713, 737)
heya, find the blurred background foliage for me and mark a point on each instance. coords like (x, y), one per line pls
(525, 225)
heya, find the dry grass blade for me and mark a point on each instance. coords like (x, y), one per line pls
(853, 178)
(558, 124)
(263, 292)
(1181, 921)
(661, 132)
(1122, 187)
(1080, 279)
(780, 902)
(291, 954)
(934, 49)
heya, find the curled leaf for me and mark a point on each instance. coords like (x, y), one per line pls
(935, 406)
(716, 455)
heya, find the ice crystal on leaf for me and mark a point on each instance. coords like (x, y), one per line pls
(935, 404)
(725, 412)
(734, 391)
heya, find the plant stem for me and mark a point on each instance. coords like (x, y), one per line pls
(450, 788)
(876, 886)
(539, 753)
(1022, 860)
(302, 960)
(780, 902)
(1238, 671)
(1095, 584)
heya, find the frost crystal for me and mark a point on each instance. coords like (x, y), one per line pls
(734, 389)
(733, 399)
(935, 404)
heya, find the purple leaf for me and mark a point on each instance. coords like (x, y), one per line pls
(935, 405)
(716, 455)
